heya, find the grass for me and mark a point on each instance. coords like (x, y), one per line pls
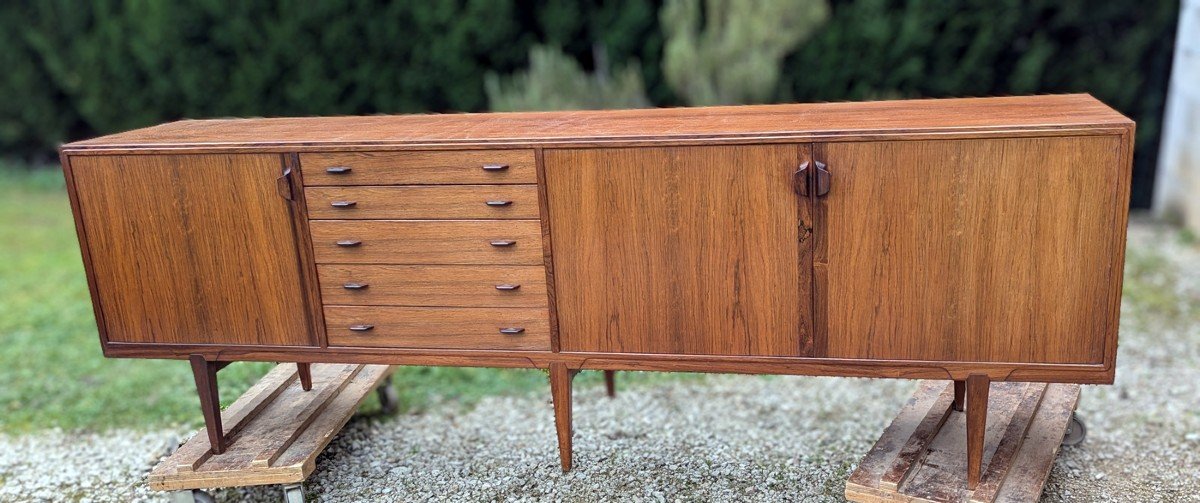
(52, 374)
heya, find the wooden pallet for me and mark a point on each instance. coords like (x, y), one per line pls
(276, 429)
(921, 456)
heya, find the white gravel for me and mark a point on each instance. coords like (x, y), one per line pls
(720, 438)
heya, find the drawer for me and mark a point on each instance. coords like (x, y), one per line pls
(419, 167)
(438, 327)
(449, 242)
(424, 202)
(433, 285)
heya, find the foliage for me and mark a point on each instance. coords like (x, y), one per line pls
(79, 69)
(1119, 51)
(731, 53)
(555, 81)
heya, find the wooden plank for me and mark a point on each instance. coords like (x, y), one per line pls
(943, 474)
(895, 436)
(1014, 436)
(296, 422)
(197, 450)
(918, 443)
(1026, 423)
(305, 439)
(1032, 465)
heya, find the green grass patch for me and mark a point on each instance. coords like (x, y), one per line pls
(54, 375)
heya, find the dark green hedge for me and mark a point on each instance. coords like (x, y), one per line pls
(77, 69)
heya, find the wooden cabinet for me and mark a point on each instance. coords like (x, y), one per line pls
(681, 250)
(967, 239)
(191, 249)
(991, 250)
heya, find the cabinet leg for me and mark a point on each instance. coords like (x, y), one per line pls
(977, 409)
(610, 382)
(560, 391)
(205, 373)
(960, 394)
(305, 371)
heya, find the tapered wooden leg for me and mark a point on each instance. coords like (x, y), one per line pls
(560, 391)
(960, 393)
(610, 382)
(205, 373)
(305, 371)
(977, 409)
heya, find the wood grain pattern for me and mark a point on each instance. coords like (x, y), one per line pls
(428, 242)
(192, 249)
(463, 202)
(983, 250)
(428, 327)
(793, 122)
(419, 167)
(679, 250)
(426, 285)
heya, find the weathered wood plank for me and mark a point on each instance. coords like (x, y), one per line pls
(278, 426)
(1026, 423)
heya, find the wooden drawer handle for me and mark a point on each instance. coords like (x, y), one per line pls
(361, 328)
(495, 167)
(512, 330)
(500, 243)
(507, 287)
(499, 203)
(337, 170)
(349, 243)
(355, 286)
(343, 204)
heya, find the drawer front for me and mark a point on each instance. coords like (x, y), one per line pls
(419, 167)
(424, 202)
(427, 242)
(430, 285)
(438, 328)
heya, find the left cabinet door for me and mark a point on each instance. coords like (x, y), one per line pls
(191, 249)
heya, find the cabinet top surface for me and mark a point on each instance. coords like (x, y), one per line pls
(829, 121)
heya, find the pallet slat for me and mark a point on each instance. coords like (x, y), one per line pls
(1026, 423)
(279, 429)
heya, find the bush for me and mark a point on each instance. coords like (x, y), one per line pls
(1119, 51)
(80, 69)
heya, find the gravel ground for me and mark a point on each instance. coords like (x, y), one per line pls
(720, 438)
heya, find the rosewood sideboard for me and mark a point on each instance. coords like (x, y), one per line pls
(973, 240)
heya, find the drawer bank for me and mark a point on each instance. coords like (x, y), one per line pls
(973, 240)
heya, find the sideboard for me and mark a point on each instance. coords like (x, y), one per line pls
(974, 240)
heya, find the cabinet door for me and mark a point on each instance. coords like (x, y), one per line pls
(192, 249)
(685, 250)
(989, 250)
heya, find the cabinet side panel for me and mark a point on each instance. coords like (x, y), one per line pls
(195, 249)
(1004, 250)
(685, 250)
